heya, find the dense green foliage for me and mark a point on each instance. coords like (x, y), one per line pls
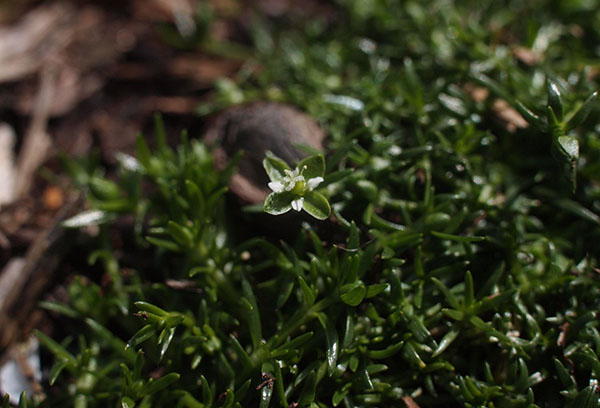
(459, 266)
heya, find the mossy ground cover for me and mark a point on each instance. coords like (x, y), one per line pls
(458, 267)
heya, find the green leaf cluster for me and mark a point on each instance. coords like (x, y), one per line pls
(458, 267)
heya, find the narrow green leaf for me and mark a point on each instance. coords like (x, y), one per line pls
(173, 319)
(563, 374)
(522, 382)
(331, 338)
(126, 374)
(138, 365)
(374, 290)
(241, 353)
(410, 353)
(308, 390)
(163, 243)
(486, 288)
(207, 395)
(127, 402)
(212, 199)
(348, 332)
(586, 398)
(469, 290)
(399, 240)
(150, 308)
(580, 323)
(161, 134)
(142, 151)
(154, 386)
(59, 308)
(241, 391)
(279, 386)
(164, 340)
(473, 389)
(56, 349)
(493, 301)
(582, 113)
(307, 292)
(112, 340)
(253, 315)
(55, 371)
(454, 314)
(437, 221)
(371, 219)
(353, 237)
(364, 379)
(353, 363)
(195, 197)
(25, 401)
(445, 342)
(295, 342)
(386, 352)
(555, 100)
(141, 335)
(265, 395)
(316, 205)
(335, 177)
(229, 399)
(576, 209)
(450, 298)
(338, 395)
(104, 189)
(418, 329)
(182, 235)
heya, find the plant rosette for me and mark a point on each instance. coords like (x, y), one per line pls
(295, 189)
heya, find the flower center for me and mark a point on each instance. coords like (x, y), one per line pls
(299, 187)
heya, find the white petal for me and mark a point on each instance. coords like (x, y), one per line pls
(314, 182)
(297, 203)
(276, 186)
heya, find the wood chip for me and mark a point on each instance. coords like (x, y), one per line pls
(409, 402)
(509, 115)
(527, 55)
(7, 164)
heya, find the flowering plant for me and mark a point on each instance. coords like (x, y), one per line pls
(295, 189)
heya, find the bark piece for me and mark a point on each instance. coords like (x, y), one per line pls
(254, 129)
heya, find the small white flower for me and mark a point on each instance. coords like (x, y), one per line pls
(276, 186)
(314, 182)
(297, 203)
(289, 181)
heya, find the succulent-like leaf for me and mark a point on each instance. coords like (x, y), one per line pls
(317, 205)
(353, 294)
(315, 166)
(275, 167)
(569, 147)
(555, 100)
(583, 112)
(278, 203)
